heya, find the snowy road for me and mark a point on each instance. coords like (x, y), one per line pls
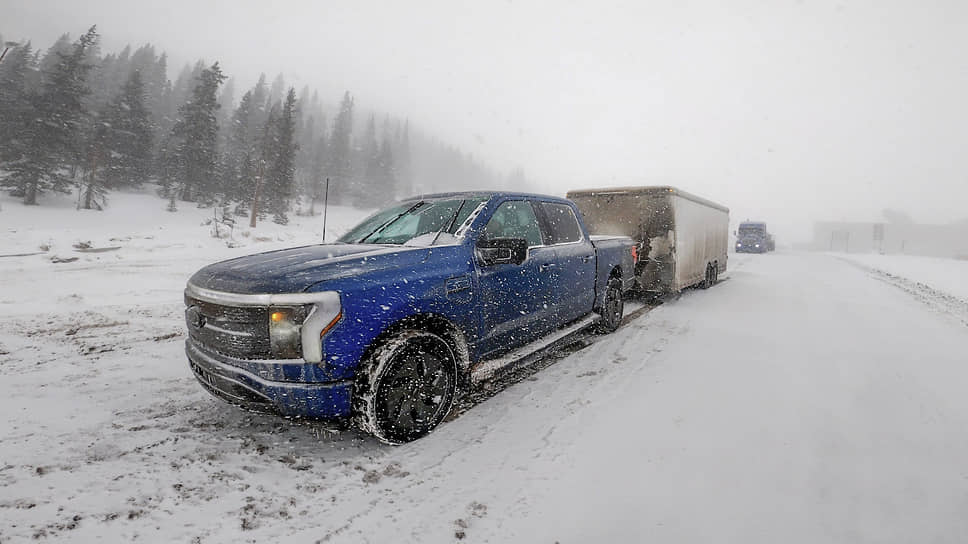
(807, 399)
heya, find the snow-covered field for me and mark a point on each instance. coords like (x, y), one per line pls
(806, 399)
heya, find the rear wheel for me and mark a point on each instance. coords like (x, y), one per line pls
(708, 280)
(613, 307)
(408, 387)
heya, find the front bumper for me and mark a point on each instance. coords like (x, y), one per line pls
(232, 384)
(750, 249)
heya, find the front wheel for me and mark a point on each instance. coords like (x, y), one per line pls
(407, 388)
(613, 307)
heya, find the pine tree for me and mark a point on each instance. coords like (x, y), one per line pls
(50, 139)
(317, 170)
(402, 161)
(267, 147)
(226, 100)
(238, 176)
(386, 183)
(16, 107)
(258, 113)
(196, 133)
(63, 46)
(278, 156)
(275, 92)
(130, 134)
(339, 153)
(119, 142)
(367, 190)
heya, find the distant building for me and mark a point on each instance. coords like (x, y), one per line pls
(903, 238)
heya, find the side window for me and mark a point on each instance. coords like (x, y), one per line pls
(515, 219)
(561, 223)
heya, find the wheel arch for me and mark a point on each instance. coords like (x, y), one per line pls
(433, 323)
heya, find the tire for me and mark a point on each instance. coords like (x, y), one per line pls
(613, 307)
(715, 273)
(407, 388)
(708, 280)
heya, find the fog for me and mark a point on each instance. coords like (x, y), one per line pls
(787, 112)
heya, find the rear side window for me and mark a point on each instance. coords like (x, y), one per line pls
(514, 219)
(560, 223)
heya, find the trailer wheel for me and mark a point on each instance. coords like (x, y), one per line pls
(707, 282)
(408, 387)
(613, 307)
(715, 273)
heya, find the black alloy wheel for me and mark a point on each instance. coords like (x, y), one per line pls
(613, 307)
(414, 382)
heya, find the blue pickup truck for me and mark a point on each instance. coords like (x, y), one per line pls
(389, 324)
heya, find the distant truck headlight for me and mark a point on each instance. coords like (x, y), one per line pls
(739, 244)
(757, 245)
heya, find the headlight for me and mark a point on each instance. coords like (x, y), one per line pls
(757, 245)
(739, 244)
(285, 324)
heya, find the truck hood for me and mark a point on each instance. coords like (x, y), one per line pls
(297, 269)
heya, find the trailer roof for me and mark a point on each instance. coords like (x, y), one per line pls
(652, 190)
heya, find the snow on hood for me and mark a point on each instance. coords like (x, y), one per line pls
(295, 270)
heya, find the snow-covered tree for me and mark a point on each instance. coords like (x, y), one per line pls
(195, 156)
(16, 107)
(50, 139)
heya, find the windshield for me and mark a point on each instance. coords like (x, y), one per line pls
(752, 229)
(424, 222)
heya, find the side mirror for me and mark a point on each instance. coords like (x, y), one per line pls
(502, 251)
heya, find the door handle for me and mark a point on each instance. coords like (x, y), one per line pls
(546, 266)
(586, 258)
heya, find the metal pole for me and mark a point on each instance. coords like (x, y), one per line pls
(325, 208)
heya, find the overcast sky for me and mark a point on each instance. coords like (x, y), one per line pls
(782, 110)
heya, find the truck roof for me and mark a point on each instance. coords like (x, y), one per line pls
(651, 190)
(487, 194)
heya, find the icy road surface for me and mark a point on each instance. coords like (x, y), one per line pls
(806, 399)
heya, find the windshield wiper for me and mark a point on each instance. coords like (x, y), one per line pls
(448, 224)
(393, 220)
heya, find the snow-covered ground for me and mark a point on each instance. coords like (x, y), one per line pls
(803, 400)
(946, 275)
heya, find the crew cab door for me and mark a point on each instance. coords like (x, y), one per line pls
(517, 300)
(575, 254)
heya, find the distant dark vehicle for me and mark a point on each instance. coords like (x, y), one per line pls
(681, 238)
(753, 237)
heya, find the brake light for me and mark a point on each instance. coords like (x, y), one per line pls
(635, 254)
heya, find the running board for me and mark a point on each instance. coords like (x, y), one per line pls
(524, 356)
(487, 369)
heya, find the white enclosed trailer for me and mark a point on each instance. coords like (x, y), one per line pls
(682, 238)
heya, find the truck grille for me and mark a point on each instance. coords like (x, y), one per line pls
(236, 331)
